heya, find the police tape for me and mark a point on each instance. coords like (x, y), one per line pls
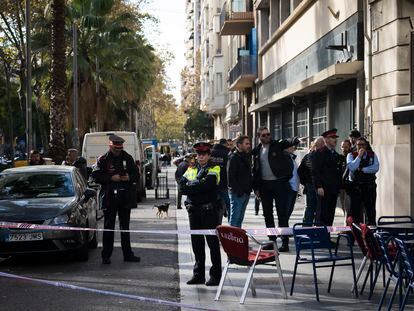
(105, 292)
(255, 232)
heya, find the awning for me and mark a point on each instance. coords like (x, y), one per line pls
(403, 114)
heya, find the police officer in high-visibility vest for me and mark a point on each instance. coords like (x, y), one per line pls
(200, 184)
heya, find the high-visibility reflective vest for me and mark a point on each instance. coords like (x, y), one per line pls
(192, 173)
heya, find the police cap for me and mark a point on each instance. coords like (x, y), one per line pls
(116, 141)
(202, 147)
(330, 133)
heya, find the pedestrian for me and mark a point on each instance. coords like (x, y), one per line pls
(181, 169)
(354, 134)
(290, 148)
(306, 179)
(116, 172)
(327, 178)
(36, 158)
(230, 145)
(344, 197)
(272, 170)
(240, 180)
(201, 185)
(219, 156)
(73, 159)
(363, 164)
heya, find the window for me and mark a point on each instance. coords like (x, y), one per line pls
(277, 125)
(219, 83)
(319, 119)
(288, 123)
(302, 123)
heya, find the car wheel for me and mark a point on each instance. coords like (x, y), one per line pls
(94, 242)
(82, 253)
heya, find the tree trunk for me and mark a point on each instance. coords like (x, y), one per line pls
(58, 86)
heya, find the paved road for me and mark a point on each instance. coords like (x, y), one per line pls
(156, 276)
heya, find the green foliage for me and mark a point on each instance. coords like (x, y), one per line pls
(199, 125)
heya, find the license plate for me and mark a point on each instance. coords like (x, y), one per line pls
(21, 237)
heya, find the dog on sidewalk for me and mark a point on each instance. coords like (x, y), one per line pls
(162, 209)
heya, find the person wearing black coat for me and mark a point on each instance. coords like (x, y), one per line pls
(239, 174)
(327, 178)
(272, 170)
(219, 156)
(116, 172)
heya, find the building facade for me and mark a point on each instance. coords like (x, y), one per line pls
(343, 64)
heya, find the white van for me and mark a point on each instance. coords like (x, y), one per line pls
(97, 143)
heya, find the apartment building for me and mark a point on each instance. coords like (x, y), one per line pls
(238, 32)
(213, 66)
(343, 64)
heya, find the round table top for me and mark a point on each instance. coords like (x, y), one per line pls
(401, 226)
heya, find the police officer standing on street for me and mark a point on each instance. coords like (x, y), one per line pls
(200, 183)
(327, 178)
(116, 172)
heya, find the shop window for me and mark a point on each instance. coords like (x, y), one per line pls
(319, 119)
(302, 123)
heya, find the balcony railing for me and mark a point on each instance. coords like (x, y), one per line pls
(242, 75)
(235, 19)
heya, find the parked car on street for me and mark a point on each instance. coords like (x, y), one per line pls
(47, 195)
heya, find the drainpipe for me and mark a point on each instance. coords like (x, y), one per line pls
(367, 35)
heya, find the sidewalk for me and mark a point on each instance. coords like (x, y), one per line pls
(266, 278)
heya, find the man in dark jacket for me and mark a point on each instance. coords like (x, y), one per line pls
(219, 156)
(73, 159)
(327, 178)
(272, 170)
(116, 172)
(239, 172)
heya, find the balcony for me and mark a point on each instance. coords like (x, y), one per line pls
(232, 112)
(242, 75)
(235, 19)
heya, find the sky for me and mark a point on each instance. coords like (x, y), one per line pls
(169, 35)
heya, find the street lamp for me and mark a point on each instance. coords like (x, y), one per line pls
(29, 130)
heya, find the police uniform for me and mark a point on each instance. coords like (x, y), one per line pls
(118, 196)
(363, 189)
(200, 184)
(327, 174)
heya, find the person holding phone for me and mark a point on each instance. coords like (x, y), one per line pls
(363, 164)
(116, 172)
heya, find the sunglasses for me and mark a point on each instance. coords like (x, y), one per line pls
(264, 135)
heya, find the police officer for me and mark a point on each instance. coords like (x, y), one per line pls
(363, 164)
(116, 172)
(327, 178)
(200, 184)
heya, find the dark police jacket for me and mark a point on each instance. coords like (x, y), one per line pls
(280, 163)
(107, 166)
(219, 156)
(327, 170)
(239, 172)
(200, 184)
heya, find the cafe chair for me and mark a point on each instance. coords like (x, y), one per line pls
(235, 242)
(357, 234)
(407, 265)
(317, 238)
(390, 255)
(396, 220)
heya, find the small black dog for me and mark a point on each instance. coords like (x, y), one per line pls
(162, 209)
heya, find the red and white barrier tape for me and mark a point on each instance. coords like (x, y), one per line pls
(256, 232)
(105, 292)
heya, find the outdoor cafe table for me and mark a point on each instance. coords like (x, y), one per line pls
(404, 227)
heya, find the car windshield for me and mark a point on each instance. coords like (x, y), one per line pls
(35, 185)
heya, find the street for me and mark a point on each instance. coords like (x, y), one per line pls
(156, 276)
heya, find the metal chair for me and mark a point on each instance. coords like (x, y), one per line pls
(317, 237)
(357, 234)
(235, 242)
(390, 261)
(407, 264)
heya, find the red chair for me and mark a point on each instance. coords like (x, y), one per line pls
(235, 242)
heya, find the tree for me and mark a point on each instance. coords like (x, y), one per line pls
(199, 125)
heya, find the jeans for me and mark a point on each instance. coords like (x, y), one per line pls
(238, 208)
(311, 204)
